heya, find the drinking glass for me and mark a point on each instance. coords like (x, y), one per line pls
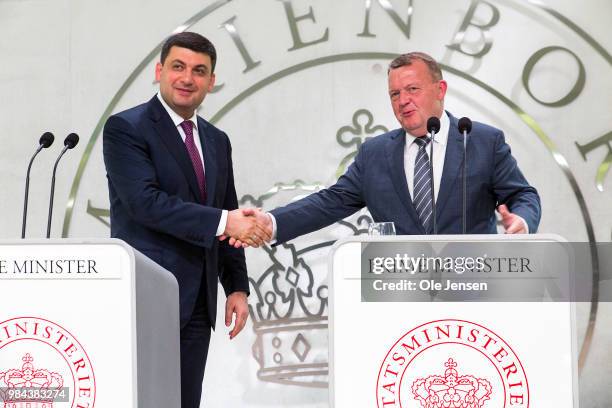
(381, 228)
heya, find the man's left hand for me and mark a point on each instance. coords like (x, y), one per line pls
(513, 224)
(236, 304)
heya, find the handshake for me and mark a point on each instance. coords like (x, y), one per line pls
(247, 227)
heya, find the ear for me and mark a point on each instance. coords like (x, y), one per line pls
(158, 68)
(442, 86)
(211, 84)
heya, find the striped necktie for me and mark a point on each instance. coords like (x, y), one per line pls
(421, 193)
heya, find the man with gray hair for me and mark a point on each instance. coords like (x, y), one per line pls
(391, 175)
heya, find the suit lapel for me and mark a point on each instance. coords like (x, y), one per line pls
(452, 165)
(210, 164)
(170, 136)
(395, 155)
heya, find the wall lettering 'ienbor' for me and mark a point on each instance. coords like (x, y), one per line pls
(404, 26)
(573, 93)
(469, 21)
(229, 26)
(604, 167)
(293, 26)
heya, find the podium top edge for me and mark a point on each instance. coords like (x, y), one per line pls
(66, 241)
(457, 238)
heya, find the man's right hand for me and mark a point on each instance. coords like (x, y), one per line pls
(248, 227)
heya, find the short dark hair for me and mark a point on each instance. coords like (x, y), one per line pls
(192, 41)
(409, 58)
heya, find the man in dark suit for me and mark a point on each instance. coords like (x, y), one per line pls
(172, 193)
(391, 176)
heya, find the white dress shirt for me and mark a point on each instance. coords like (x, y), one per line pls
(177, 120)
(439, 153)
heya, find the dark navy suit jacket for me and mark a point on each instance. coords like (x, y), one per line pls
(377, 179)
(155, 201)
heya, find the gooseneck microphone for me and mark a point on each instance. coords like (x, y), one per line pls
(69, 143)
(433, 127)
(465, 127)
(45, 141)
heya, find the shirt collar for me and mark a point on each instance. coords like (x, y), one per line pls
(441, 137)
(175, 117)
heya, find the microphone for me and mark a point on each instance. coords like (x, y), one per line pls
(433, 127)
(71, 140)
(45, 141)
(465, 127)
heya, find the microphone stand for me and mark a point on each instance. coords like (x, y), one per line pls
(464, 177)
(465, 127)
(64, 150)
(27, 189)
(431, 173)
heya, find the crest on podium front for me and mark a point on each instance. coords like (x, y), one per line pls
(451, 390)
(29, 386)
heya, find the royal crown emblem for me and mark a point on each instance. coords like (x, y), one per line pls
(29, 387)
(451, 390)
(288, 303)
(290, 321)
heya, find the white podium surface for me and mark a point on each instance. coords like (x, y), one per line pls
(91, 323)
(409, 354)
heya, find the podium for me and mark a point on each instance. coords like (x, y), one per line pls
(470, 320)
(86, 323)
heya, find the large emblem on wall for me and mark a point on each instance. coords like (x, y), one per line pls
(298, 98)
(289, 303)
